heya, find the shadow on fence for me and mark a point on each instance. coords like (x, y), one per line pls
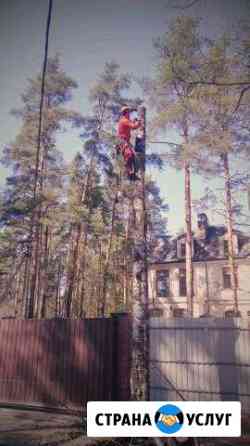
(200, 359)
(64, 362)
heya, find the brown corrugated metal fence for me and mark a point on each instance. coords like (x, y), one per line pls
(64, 362)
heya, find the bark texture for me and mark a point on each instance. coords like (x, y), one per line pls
(140, 339)
(189, 242)
(229, 219)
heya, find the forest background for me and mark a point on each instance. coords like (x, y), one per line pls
(85, 37)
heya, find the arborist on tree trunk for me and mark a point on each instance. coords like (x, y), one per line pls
(125, 125)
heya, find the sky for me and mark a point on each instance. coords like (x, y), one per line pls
(88, 33)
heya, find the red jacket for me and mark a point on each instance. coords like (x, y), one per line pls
(125, 126)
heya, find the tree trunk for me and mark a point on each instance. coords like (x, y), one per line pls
(189, 241)
(140, 338)
(229, 219)
(18, 291)
(83, 196)
(126, 260)
(36, 234)
(36, 227)
(83, 267)
(43, 284)
(26, 287)
(99, 279)
(108, 256)
(39, 280)
(58, 303)
(125, 269)
(72, 270)
(31, 292)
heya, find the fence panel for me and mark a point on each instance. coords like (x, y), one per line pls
(200, 359)
(64, 362)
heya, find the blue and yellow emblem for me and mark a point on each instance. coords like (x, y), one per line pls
(169, 419)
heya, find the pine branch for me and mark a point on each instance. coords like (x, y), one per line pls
(240, 98)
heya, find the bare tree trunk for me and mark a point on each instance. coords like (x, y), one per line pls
(100, 279)
(18, 291)
(39, 280)
(11, 279)
(83, 267)
(189, 241)
(33, 264)
(36, 235)
(83, 196)
(108, 256)
(26, 280)
(109, 250)
(126, 260)
(36, 227)
(140, 338)
(80, 274)
(229, 219)
(72, 271)
(58, 303)
(125, 278)
(75, 300)
(43, 282)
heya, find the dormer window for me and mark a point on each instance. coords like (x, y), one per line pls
(181, 247)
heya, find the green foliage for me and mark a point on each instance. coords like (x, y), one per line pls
(81, 208)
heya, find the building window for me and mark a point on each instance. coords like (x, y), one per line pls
(183, 249)
(162, 283)
(225, 244)
(232, 313)
(156, 312)
(178, 312)
(182, 282)
(229, 313)
(227, 281)
(227, 278)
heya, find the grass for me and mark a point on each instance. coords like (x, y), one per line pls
(19, 428)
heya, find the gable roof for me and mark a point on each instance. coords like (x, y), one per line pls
(206, 249)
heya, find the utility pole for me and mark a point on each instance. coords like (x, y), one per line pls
(140, 332)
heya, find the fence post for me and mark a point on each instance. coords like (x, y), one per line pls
(121, 356)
